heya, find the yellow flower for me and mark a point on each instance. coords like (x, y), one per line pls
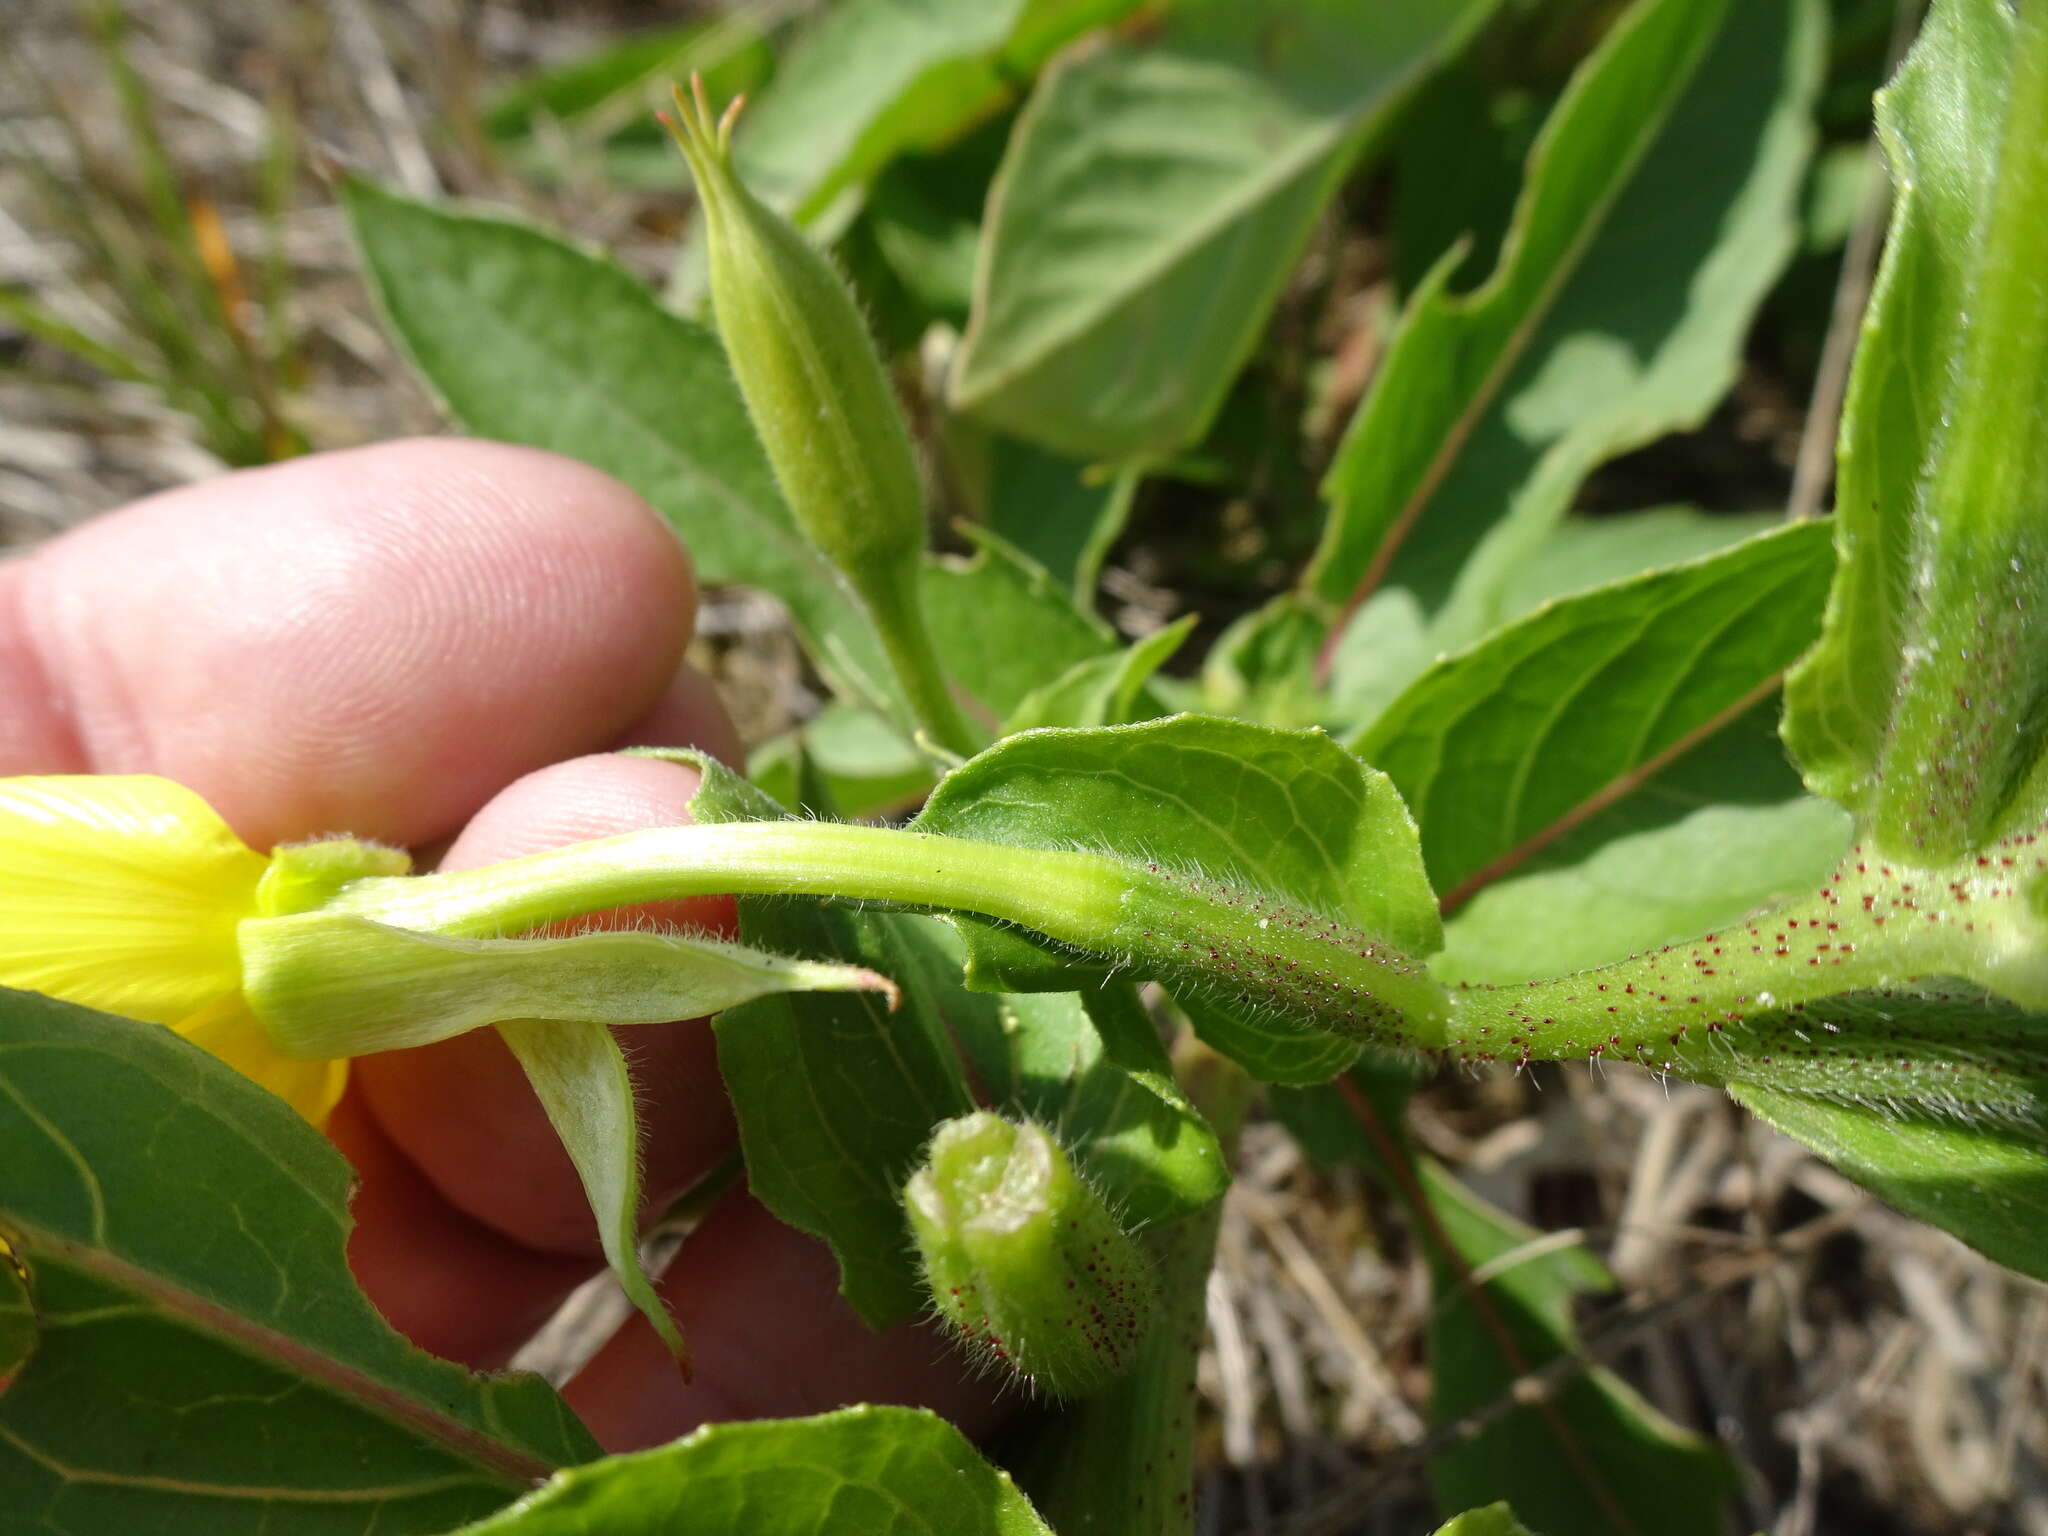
(123, 893)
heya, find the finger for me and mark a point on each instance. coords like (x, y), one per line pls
(771, 1337)
(370, 642)
(443, 1279)
(461, 1110)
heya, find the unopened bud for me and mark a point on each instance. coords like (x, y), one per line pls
(1023, 1258)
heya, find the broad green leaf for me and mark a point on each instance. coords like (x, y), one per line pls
(876, 77)
(1658, 204)
(1494, 1520)
(836, 1097)
(876, 1471)
(1986, 1184)
(1586, 552)
(1925, 707)
(1104, 690)
(1264, 666)
(206, 1362)
(530, 340)
(1281, 816)
(1108, 325)
(1498, 746)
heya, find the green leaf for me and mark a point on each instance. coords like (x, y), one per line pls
(19, 1325)
(207, 1363)
(1602, 1462)
(1108, 326)
(1594, 1459)
(1272, 1049)
(585, 83)
(1986, 1184)
(858, 1470)
(1925, 707)
(1658, 205)
(579, 1075)
(1104, 690)
(1497, 747)
(1055, 510)
(836, 1097)
(1494, 1520)
(1003, 626)
(1287, 816)
(1095, 1070)
(530, 340)
(876, 77)
(868, 766)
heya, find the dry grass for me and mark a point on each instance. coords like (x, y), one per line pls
(1874, 1376)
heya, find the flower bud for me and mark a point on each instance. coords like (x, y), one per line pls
(814, 386)
(812, 381)
(1024, 1260)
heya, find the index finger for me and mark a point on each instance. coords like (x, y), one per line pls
(370, 642)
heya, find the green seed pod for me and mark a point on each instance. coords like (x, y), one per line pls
(1024, 1260)
(819, 400)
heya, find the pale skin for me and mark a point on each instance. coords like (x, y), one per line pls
(442, 644)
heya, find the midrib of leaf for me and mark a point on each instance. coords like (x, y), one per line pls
(146, 1482)
(504, 1463)
(1518, 338)
(1311, 145)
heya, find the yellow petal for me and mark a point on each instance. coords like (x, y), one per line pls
(233, 1033)
(121, 892)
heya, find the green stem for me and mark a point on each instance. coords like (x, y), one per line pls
(895, 604)
(1184, 930)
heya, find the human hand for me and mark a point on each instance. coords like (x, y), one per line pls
(418, 643)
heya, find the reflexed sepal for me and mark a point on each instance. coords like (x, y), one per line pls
(328, 984)
(1024, 1260)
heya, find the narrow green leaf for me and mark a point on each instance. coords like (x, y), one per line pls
(1659, 203)
(1925, 707)
(1498, 746)
(1107, 326)
(876, 77)
(207, 1365)
(529, 340)
(1986, 1184)
(568, 91)
(579, 1074)
(857, 1470)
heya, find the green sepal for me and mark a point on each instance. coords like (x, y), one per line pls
(579, 1074)
(329, 985)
